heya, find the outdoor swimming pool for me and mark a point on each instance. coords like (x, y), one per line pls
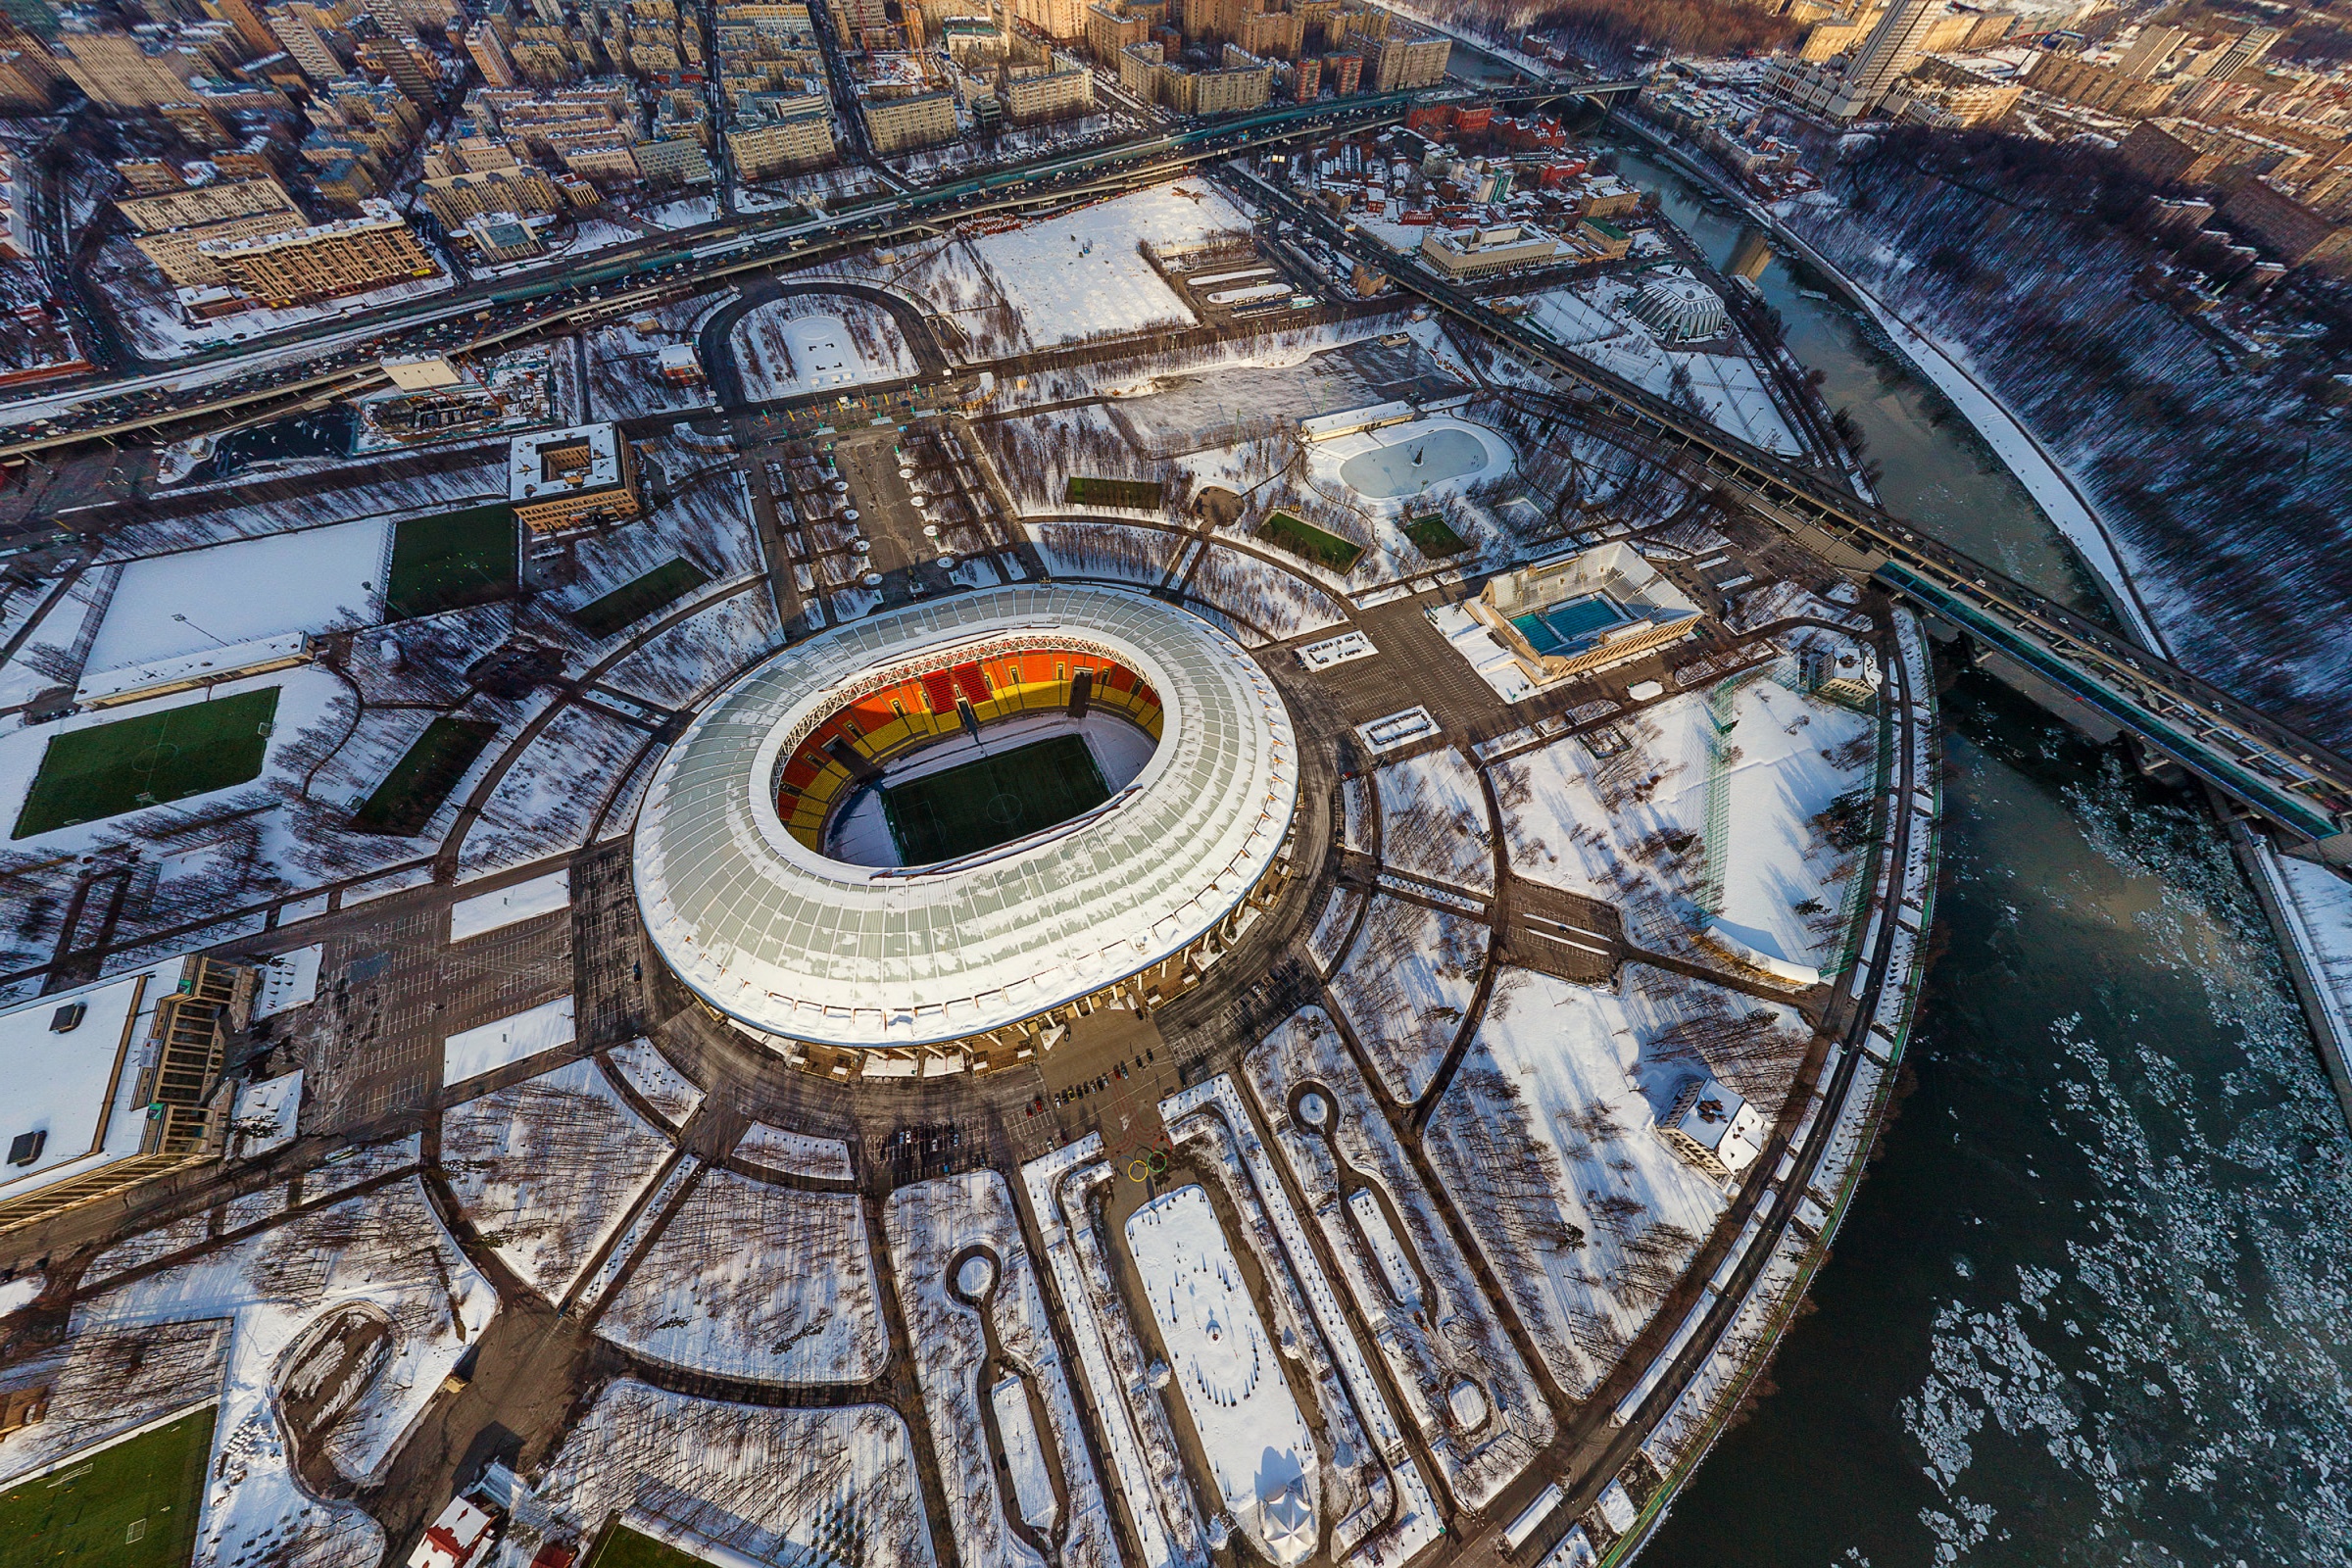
(1570, 626)
(1389, 470)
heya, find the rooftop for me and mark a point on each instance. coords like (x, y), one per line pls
(805, 947)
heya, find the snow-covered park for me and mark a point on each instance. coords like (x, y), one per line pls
(1701, 825)
(1228, 1372)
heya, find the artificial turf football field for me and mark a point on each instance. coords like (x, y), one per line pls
(133, 1506)
(150, 760)
(978, 804)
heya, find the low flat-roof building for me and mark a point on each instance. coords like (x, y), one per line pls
(1475, 252)
(115, 1083)
(1575, 614)
(571, 478)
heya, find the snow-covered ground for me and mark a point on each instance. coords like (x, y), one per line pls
(751, 1280)
(795, 1154)
(1546, 1143)
(1592, 319)
(1262, 596)
(1375, 467)
(308, 699)
(1228, 1372)
(1405, 986)
(673, 1096)
(509, 905)
(1078, 275)
(320, 580)
(953, 1242)
(1130, 1419)
(1378, 1505)
(1465, 1385)
(385, 1255)
(1433, 822)
(742, 1484)
(486, 1048)
(816, 343)
(547, 1169)
(1694, 822)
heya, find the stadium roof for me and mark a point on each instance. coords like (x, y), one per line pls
(810, 948)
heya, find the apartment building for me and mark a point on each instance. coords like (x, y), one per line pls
(324, 261)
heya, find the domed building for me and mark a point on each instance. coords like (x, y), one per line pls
(928, 840)
(1680, 309)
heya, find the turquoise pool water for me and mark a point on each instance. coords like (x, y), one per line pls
(1570, 626)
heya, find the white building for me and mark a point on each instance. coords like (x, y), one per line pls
(454, 1540)
(1713, 1128)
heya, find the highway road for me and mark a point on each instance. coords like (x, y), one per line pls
(297, 371)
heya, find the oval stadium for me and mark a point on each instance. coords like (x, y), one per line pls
(938, 833)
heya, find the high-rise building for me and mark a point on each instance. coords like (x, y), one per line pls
(1890, 51)
(489, 52)
(2150, 50)
(120, 72)
(405, 66)
(1408, 59)
(303, 44)
(28, 79)
(2241, 53)
(242, 15)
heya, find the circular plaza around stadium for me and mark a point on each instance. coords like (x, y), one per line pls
(933, 836)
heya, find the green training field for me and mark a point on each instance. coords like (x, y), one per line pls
(1310, 543)
(1143, 495)
(107, 769)
(452, 558)
(639, 597)
(422, 778)
(624, 1547)
(1434, 538)
(133, 1506)
(978, 804)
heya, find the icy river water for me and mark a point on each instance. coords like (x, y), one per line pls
(2093, 1304)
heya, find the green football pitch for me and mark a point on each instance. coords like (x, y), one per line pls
(153, 758)
(133, 1506)
(978, 804)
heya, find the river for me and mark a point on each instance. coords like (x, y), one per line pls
(2093, 1302)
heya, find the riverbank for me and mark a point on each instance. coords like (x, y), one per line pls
(2323, 989)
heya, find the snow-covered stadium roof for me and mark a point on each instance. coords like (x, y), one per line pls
(797, 945)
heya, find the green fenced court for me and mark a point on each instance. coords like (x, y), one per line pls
(978, 804)
(624, 1547)
(450, 560)
(1434, 538)
(423, 776)
(1141, 495)
(132, 1505)
(639, 597)
(149, 760)
(1309, 543)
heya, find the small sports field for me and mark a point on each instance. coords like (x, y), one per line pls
(624, 1547)
(978, 804)
(453, 558)
(149, 760)
(133, 1506)
(423, 776)
(639, 597)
